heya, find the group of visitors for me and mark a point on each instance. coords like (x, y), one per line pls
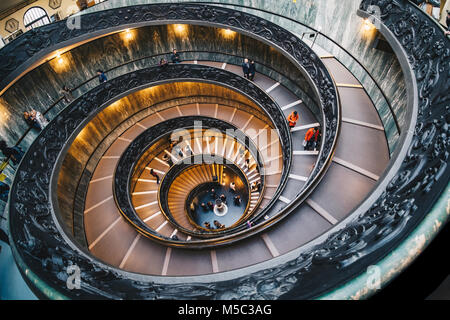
(176, 149)
(312, 138)
(256, 186)
(249, 69)
(35, 119)
(237, 198)
(217, 224)
(210, 206)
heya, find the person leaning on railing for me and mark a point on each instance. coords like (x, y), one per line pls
(163, 62)
(4, 191)
(67, 94)
(14, 153)
(30, 120)
(101, 76)
(35, 119)
(175, 57)
(39, 118)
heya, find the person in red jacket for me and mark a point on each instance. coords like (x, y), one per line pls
(317, 136)
(309, 138)
(292, 119)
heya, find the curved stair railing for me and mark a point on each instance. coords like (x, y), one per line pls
(59, 104)
(165, 195)
(34, 227)
(126, 168)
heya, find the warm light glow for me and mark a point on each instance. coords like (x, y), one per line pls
(227, 33)
(59, 58)
(180, 28)
(60, 63)
(368, 30)
(368, 25)
(115, 104)
(127, 35)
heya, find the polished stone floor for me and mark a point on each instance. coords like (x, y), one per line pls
(232, 211)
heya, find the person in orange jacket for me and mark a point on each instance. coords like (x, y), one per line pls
(309, 138)
(292, 119)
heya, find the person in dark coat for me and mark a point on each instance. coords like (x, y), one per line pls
(67, 94)
(163, 63)
(4, 191)
(175, 57)
(246, 68)
(101, 76)
(155, 175)
(252, 70)
(14, 153)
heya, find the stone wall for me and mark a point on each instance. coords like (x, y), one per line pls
(338, 20)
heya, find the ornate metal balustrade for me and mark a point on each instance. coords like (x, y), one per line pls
(127, 168)
(418, 172)
(180, 167)
(43, 250)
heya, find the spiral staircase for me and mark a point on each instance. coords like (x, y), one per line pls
(86, 193)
